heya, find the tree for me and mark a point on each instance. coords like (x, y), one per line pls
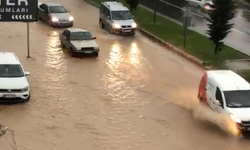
(133, 4)
(219, 24)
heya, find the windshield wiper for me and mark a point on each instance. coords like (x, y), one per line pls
(235, 105)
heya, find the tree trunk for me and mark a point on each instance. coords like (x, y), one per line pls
(216, 48)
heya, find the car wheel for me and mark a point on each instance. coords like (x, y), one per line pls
(101, 24)
(201, 100)
(71, 52)
(28, 99)
(62, 45)
(111, 31)
(96, 54)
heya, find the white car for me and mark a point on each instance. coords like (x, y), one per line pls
(14, 86)
(226, 92)
(79, 41)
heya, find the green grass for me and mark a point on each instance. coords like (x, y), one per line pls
(197, 44)
(245, 74)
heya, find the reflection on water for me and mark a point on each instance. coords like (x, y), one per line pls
(134, 55)
(114, 56)
(54, 75)
(124, 73)
(54, 58)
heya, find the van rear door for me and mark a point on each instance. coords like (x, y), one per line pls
(202, 88)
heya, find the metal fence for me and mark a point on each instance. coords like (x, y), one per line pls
(165, 8)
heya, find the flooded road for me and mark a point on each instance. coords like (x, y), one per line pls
(134, 96)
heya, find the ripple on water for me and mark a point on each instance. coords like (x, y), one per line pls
(51, 77)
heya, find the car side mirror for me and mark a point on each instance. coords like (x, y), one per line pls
(94, 38)
(216, 102)
(27, 73)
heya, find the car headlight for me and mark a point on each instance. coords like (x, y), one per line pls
(25, 89)
(54, 19)
(116, 26)
(235, 119)
(71, 18)
(96, 48)
(78, 48)
(134, 25)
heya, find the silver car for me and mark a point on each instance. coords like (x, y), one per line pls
(55, 14)
(79, 41)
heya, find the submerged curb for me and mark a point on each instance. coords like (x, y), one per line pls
(191, 58)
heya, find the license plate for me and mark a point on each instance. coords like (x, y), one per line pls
(9, 96)
(126, 30)
(88, 52)
(64, 22)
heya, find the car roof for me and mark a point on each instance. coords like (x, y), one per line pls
(8, 58)
(52, 4)
(228, 80)
(77, 30)
(115, 6)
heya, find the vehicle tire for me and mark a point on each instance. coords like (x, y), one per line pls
(201, 100)
(71, 52)
(96, 54)
(101, 24)
(111, 31)
(62, 45)
(28, 99)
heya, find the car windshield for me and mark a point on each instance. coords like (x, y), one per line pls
(74, 36)
(11, 71)
(237, 99)
(121, 15)
(57, 9)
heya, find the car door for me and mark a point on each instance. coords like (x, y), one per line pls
(65, 39)
(218, 97)
(46, 15)
(42, 12)
(210, 94)
(107, 18)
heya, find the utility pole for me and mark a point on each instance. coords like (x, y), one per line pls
(186, 22)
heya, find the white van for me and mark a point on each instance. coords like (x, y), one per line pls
(14, 86)
(226, 92)
(116, 18)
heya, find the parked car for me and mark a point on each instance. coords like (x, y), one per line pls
(226, 92)
(14, 86)
(116, 18)
(55, 14)
(79, 41)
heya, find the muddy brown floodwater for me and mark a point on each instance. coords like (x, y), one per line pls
(134, 96)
